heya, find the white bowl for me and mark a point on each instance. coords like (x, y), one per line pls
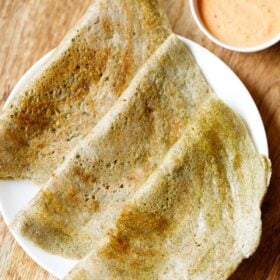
(199, 22)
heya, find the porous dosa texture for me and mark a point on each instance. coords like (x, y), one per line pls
(89, 70)
(167, 185)
(196, 216)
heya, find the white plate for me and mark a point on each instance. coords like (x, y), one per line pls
(15, 194)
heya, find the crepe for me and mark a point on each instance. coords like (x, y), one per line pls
(88, 72)
(167, 185)
(196, 216)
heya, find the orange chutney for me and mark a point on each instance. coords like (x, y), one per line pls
(241, 23)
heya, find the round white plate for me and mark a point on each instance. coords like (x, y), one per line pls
(14, 195)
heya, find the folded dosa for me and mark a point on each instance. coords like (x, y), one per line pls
(89, 70)
(167, 185)
(196, 216)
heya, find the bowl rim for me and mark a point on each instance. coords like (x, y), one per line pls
(199, 22)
